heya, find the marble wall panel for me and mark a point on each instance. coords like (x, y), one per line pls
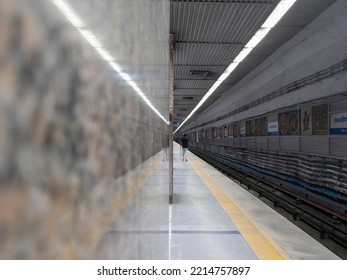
(72, 133)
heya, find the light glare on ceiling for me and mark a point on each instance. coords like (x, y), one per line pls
(259, 35)
(231, 67)
(278, 13)
(224, 76)
(242, 55)
(270, 22)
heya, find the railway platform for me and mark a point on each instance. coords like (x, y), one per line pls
(212, 218)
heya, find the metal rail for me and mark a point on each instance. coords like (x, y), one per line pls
(321, 220)
(306, 81)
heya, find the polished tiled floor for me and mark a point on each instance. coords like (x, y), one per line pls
(196, 226)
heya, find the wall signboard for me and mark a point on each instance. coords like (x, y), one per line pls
(272, 129)
(338, 123)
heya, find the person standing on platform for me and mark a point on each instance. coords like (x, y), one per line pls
(184, 146)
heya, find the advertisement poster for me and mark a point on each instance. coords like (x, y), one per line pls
(260, 127)
(250, 128)
(236, 130)
(338, 123)
(306, 121)
(288, 123)
(230, 131)
(320, 119)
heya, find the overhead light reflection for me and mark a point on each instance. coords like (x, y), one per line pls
(89, 36)
(125, 76)
(115, 66)
(105, 55)
(74, 19)
(69, 13)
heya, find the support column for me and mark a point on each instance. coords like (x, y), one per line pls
(171, 113)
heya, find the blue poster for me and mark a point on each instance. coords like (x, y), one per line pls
(338, 123)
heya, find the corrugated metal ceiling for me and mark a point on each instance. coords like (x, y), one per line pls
(210, 33)
(208, 36)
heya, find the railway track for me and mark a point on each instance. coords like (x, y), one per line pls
(326, 225)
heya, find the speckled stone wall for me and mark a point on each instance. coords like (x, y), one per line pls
(71, 131)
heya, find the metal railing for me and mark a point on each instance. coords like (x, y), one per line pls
(306, 81)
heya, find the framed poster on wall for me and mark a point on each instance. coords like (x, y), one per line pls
(250, 128)
(306, 120)
(320, 119)
(230, 131)
(288, 123)
(260, 127)
(236, 130)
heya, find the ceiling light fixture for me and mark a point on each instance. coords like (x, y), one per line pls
(75, 20)
(280, 10)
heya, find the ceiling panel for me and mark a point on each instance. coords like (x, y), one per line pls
(217, 21)
(182, 72)
(205, 53)
(193, 84)
(209, 34)
(189, 92)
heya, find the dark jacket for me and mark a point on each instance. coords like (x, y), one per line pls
(184, 142)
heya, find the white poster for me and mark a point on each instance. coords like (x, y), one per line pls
(272, 128)
(338, 123)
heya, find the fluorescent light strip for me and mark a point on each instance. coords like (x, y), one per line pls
(259, 35)
(270, 22)
(74, 19)
(278, 13)
(242, 55)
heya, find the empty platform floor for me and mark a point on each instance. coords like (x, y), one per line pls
(212, 218)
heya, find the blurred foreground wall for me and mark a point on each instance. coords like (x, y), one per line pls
(72, 131)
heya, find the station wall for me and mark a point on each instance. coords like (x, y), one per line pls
(72, 132)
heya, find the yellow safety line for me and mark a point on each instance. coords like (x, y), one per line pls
(262, 244)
